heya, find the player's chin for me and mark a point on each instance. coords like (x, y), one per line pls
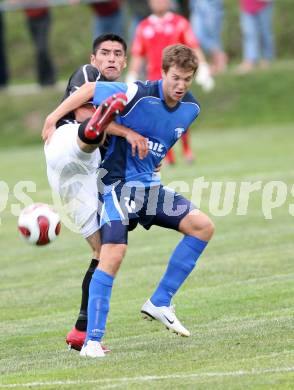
(178, 96)
(111, 74)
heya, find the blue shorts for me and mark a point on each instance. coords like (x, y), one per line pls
(123, 207)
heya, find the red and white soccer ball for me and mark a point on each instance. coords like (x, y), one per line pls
(39, 224)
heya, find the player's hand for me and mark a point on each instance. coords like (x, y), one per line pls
(131, 77)
(203, 77)
(138, 143)
(48, 130)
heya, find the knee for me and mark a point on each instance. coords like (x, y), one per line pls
(112, 256)
(208, 229)
(117, 256)
(197, 224)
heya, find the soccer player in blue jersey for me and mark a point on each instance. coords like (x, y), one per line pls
(161, 111)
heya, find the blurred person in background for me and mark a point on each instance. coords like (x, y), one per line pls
(108, 17)
(3, 60)
(160, 29)
(206, 17)
(39, 23)
(139, 10)
(257, 35)
(183, 8)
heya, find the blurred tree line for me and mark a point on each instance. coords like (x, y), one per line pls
(71, 37)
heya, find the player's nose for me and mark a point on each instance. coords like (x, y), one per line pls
(111, 57)
(181, 84)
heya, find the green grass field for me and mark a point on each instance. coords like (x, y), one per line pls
(238, 303)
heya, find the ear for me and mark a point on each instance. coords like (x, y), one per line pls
(92, 59)
(125, 63)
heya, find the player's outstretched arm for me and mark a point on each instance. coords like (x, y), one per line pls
(77, 99)
(203, 75)
(135, 67)
(137, 141)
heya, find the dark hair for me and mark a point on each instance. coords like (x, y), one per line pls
(108, 37)
(180, 55)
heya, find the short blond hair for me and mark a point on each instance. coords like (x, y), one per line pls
(180, 55)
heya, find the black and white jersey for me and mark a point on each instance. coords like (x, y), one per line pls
(84, 74)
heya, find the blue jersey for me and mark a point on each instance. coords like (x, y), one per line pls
(146, 113)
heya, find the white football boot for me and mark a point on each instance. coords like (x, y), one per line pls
(166, 315)
(92, 349)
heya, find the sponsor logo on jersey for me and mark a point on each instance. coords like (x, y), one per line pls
(179, 131)
(156, 148)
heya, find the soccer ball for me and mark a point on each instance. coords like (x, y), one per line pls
(39, 224)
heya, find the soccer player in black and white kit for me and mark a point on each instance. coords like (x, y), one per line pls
(72, 159)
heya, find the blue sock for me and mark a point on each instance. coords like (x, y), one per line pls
(98, 305)
(180, 266)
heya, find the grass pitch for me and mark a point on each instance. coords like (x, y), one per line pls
(238, 302)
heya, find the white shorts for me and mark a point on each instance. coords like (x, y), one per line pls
(72, 175)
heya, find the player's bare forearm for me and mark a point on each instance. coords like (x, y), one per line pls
(136, 140)
(134, 69)
(136, 64)
(77, 99)
(116, 129)
(200, 55)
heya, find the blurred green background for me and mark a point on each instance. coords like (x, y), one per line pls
(71, 37)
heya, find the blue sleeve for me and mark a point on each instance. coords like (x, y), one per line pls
(105, 89)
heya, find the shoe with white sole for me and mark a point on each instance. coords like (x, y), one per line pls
(76, 338)
(166, 315)
(92, 349)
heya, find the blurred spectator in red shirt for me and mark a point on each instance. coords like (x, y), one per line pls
(152, 35)
(139, 10)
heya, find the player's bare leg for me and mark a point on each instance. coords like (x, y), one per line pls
(94, 242)
(197, 224)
